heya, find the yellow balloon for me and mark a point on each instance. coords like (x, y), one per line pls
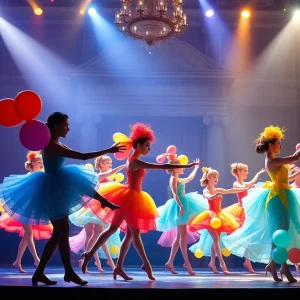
(112, 177)
(198, 253)
(119, 137)
(114, 249)
(215, 223)
(90, 166)
(119, 177)
(183, 159)
(226, 252)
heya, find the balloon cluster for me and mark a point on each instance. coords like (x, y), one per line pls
(34, 135)
(171, 154)
(281, 239)
(199, 253)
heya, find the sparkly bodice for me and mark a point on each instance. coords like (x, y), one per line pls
(215, 204)
(240, 196)
(135, 179)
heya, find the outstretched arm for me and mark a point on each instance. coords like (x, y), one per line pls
(193, 174)
(140, 164)
(104, 175)
(210, 196)
(255, 178)
(64, 151)
(292, 177)
(279, 161)
(233, 190)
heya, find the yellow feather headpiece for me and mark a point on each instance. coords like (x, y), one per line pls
(271, 132)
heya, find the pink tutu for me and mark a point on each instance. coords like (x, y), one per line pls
(168, 236)
(77, 241)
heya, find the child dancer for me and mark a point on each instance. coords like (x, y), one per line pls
(138, 211)
(175, 214)
(28, 232)
(215, 220)
(275, 206)
(240, 172)
(93, 226)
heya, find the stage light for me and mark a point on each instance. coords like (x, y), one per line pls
(297, 13)
(245, 14)
(38, 11)
(209, 13)
(81, 12)
(92, 11)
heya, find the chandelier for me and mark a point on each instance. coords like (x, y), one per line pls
(150, 20)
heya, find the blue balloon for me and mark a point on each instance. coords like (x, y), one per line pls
(281, 238)
(280, 255)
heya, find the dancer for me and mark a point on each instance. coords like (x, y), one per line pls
(54, 194)
(175, 214)
(240, 172)
(28, 232)
(93, 226)
(215, 220)
(275, 206)
(138, 211)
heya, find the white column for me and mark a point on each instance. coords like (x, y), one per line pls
(215, 144)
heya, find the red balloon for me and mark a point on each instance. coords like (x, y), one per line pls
(298, 146)
(8, 115)
(28, 105)
(294, 255)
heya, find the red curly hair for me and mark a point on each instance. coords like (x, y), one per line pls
(32, 155)
(141, 130)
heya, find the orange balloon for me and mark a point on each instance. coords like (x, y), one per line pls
(28, 105)
(8, 115)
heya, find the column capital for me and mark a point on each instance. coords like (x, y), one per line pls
(215, 120)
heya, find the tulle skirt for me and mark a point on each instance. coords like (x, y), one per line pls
(138, 209)
(205, 243)
(40, 197)
(77, 244)
(237, 211)
(85, 216)
(169, 217)
(203, 220)
(254, 238)
(40, 232)
(167, 237)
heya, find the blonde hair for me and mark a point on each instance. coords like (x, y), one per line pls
(237, 166)
(173, 161)
(99, 160)
(207, 172)
(31, 157)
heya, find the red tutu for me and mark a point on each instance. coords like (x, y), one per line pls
(237, 211)
(40, 232)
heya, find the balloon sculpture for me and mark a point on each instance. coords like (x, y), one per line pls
(34, 135)
(171, 154)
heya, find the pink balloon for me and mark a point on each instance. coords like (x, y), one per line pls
(298, 146)
(294, 255)
(171, 149)
(34, 135)
(160, 158)
(120, 155)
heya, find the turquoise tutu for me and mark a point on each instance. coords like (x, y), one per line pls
(205, 243)
(85, 216)
(254, 238)
(47, 196)
(169, 218)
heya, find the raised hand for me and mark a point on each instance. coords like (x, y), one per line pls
(117, 148)
(197, 163)
(262, 171)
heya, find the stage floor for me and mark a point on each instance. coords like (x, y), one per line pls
(239, 283)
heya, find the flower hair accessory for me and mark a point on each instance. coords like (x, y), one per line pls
(138, 130)
(271, 132)
(32, 155)
(205, 169)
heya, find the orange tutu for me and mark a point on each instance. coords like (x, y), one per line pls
(40, 232)
(202, 221)
(138, 209)
(237, 211)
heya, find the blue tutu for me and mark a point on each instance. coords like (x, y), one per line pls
(205, 243)
(263, 218)
(193, 204)
(113, 243)
(47, 196)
